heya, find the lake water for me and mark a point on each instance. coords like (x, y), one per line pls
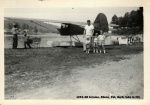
(50, 40)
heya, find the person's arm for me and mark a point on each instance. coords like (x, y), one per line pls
(104, 37)
(93, 31)
(28, 37)
(98, 38)
(84, 33)
(12, 30)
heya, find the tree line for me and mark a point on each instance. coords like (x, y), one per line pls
(130, 23)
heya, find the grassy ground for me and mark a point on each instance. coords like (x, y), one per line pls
(27, 69)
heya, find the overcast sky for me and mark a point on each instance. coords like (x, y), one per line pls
(67, 14)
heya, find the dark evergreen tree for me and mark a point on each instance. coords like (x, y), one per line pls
(114, 20)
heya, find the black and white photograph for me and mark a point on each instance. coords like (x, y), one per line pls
(74, 53)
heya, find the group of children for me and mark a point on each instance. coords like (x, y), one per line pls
(98, 43)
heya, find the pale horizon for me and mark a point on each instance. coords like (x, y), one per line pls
(67, 14)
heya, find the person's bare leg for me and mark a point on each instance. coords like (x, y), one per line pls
(103, 48)
(100, 49)
(87, 48)
(94, 50)
(84, 46)
(25, 45)
(29, 45)
(88, 51)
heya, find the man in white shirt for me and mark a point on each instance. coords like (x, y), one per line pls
(88, 33)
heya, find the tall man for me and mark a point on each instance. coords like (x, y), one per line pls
(88, 33)
(15, 36)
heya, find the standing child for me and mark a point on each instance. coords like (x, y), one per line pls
(95, 49)
(88, 39)
(101, 42)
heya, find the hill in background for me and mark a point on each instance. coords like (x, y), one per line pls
(34, 27)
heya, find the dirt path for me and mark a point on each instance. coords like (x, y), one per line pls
(116, 78)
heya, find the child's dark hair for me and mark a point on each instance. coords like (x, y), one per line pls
(101, 32)
(88, 21)
(96, 34)
(15, 26)
(25, 33)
